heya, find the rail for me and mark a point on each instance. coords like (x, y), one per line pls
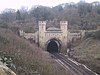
(77, 68)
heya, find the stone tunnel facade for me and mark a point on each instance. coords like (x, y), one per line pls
(52, 36)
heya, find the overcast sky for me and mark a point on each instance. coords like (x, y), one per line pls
(16, 4)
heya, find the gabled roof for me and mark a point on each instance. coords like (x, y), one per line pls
(53, 29)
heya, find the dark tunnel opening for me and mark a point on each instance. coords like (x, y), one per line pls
(52, 47)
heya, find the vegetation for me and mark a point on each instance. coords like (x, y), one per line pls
(96, 35)
(80, 15)
(88, 53)
(93, 34)
(27, 58)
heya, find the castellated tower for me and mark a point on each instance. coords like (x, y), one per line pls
(42, 29)
(51, 36)
(63, 27)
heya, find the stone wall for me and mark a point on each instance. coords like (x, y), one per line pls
(43, 35)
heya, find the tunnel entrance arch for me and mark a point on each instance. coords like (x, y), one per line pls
(53, 45)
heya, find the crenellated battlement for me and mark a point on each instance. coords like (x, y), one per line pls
(61, 36)
(63, 22)
(42, 22)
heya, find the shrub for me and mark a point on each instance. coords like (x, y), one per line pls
(88, 34)
(96, 34)
(14, 29)
(4, 25)
(3, 40)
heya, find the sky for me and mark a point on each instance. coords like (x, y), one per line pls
(17, 4)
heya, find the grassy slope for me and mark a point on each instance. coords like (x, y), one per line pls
(88, 52)
(28, 57)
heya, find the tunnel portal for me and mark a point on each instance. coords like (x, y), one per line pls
(53, 46)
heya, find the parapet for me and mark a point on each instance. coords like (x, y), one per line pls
(63, 22)
(42, 22)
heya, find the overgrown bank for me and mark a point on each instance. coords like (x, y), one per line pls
(28, 58)
(88, 52)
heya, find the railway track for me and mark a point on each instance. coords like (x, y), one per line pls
(78, 69)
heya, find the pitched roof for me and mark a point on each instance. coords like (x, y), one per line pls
(53, 29)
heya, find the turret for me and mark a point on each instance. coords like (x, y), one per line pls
(21, 33)
(63, 26)
(42, 26)
(42, 29)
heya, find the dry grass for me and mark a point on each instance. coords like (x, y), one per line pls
(28, 57)
(88, 52)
